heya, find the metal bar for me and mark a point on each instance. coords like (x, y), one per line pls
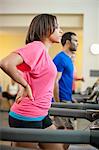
(74, 113)
(94, 138)
(75, 105)
(46, 136)
(67, 112)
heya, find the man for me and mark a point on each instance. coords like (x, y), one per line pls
(65, 69)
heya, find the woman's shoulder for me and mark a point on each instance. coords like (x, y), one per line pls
(37, 44)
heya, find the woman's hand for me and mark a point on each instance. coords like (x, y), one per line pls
(24, 92)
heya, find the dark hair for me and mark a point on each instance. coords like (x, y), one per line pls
(66, 36)
(41, 26)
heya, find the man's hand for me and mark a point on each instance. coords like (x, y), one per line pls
(74, 101)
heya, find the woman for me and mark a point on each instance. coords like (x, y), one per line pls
(36, 78)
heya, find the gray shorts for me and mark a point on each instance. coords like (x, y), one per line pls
(63, 122)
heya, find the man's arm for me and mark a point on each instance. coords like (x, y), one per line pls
(56, 87)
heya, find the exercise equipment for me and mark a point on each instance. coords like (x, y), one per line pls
(88, 114)
(93, 98)
(80, 106)
(39, 135)
(53, 136)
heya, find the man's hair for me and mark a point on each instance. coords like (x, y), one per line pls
(41, 27)
(67, 36)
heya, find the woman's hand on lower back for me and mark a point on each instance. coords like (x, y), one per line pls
(24, 92)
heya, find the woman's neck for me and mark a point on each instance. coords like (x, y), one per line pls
(47, 44)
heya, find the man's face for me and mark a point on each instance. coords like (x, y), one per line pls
(73, 43)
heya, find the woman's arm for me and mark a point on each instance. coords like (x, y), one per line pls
(9, 66)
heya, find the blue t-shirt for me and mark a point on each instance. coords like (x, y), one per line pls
(64, 64)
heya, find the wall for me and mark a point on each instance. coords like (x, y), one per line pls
(88, 9)
(10, 39)
(98, 20)
(13, 38)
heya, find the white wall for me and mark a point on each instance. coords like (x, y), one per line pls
(98, 20)
(37, 6)
(23, 20)
(89, 9)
